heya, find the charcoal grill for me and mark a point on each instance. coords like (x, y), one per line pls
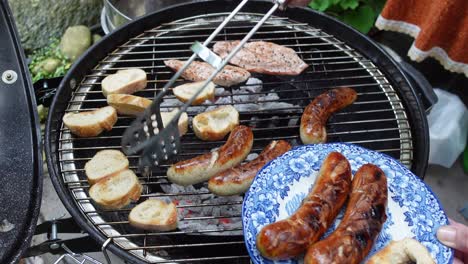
(387, 117)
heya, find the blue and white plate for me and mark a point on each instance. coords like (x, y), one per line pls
(277, 191)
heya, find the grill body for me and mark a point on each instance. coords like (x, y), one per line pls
(386, 117)
(20, 146)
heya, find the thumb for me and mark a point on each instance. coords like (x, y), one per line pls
(454, 236)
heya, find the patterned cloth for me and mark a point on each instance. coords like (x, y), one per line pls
(440, 29)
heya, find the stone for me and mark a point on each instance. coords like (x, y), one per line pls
(75, 41)
(48, 65)
(96, 38)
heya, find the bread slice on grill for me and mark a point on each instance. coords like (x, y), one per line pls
(126, 104)
(215, 124)
(91, 123)
(186, 91)
(126, 81)
(183, 120)
(154, 214)
(116, 191)
(105, 163)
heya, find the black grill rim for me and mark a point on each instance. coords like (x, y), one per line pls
(361, 43)
(22, 171)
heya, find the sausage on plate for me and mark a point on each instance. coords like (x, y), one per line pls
(361, 224)
(290, 237)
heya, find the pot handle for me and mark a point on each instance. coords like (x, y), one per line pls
(423, 88)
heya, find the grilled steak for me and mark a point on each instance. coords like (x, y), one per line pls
(200, 71)
(263, 57)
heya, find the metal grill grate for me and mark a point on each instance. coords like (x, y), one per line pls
(377, 120)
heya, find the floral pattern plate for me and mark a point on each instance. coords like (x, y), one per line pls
(279, 187)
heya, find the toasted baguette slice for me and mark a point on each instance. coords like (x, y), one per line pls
(183, 120)
(91, 123)
(186, 91)
(124, 82)
(126, 104)
(154, 214)
(407, 250)
(215, 124)
(105, 164)
(116, 191)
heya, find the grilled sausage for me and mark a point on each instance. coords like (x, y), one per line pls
(238, 179)
(316, 114)
(203, 167)
(290, 237)
(364, 217)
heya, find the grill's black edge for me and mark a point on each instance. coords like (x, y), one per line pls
(21, 150)
(120, 36)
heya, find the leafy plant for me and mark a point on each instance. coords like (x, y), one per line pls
(48, 62)
(360, 14)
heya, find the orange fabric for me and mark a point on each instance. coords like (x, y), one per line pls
(442, 23)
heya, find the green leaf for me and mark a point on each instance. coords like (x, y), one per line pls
(47, 53)
(320, 5)
(377, 5)
(361, 19)
(335, 9)
(349, 4)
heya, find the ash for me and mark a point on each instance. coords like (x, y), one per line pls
(248, 98)
(206, 211)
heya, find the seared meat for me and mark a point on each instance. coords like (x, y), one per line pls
(361, 224)
(316, 114)
(200, 71)
(263, 57)
(290, 237)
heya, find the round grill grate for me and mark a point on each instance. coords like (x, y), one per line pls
(272, 105)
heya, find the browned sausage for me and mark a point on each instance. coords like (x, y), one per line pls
(362, 222)
(203, 167)
(238, 179)
(316, 114)
(290, 237)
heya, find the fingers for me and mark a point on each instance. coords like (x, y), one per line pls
(454, 236)
(297, 2)
(457, 261)
(455, 223)
(458, 255)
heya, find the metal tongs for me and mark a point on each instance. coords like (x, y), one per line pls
(147, 133)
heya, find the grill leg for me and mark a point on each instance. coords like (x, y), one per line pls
(54, 244)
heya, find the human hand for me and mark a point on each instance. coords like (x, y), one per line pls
(455, 236)
(293, 3)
